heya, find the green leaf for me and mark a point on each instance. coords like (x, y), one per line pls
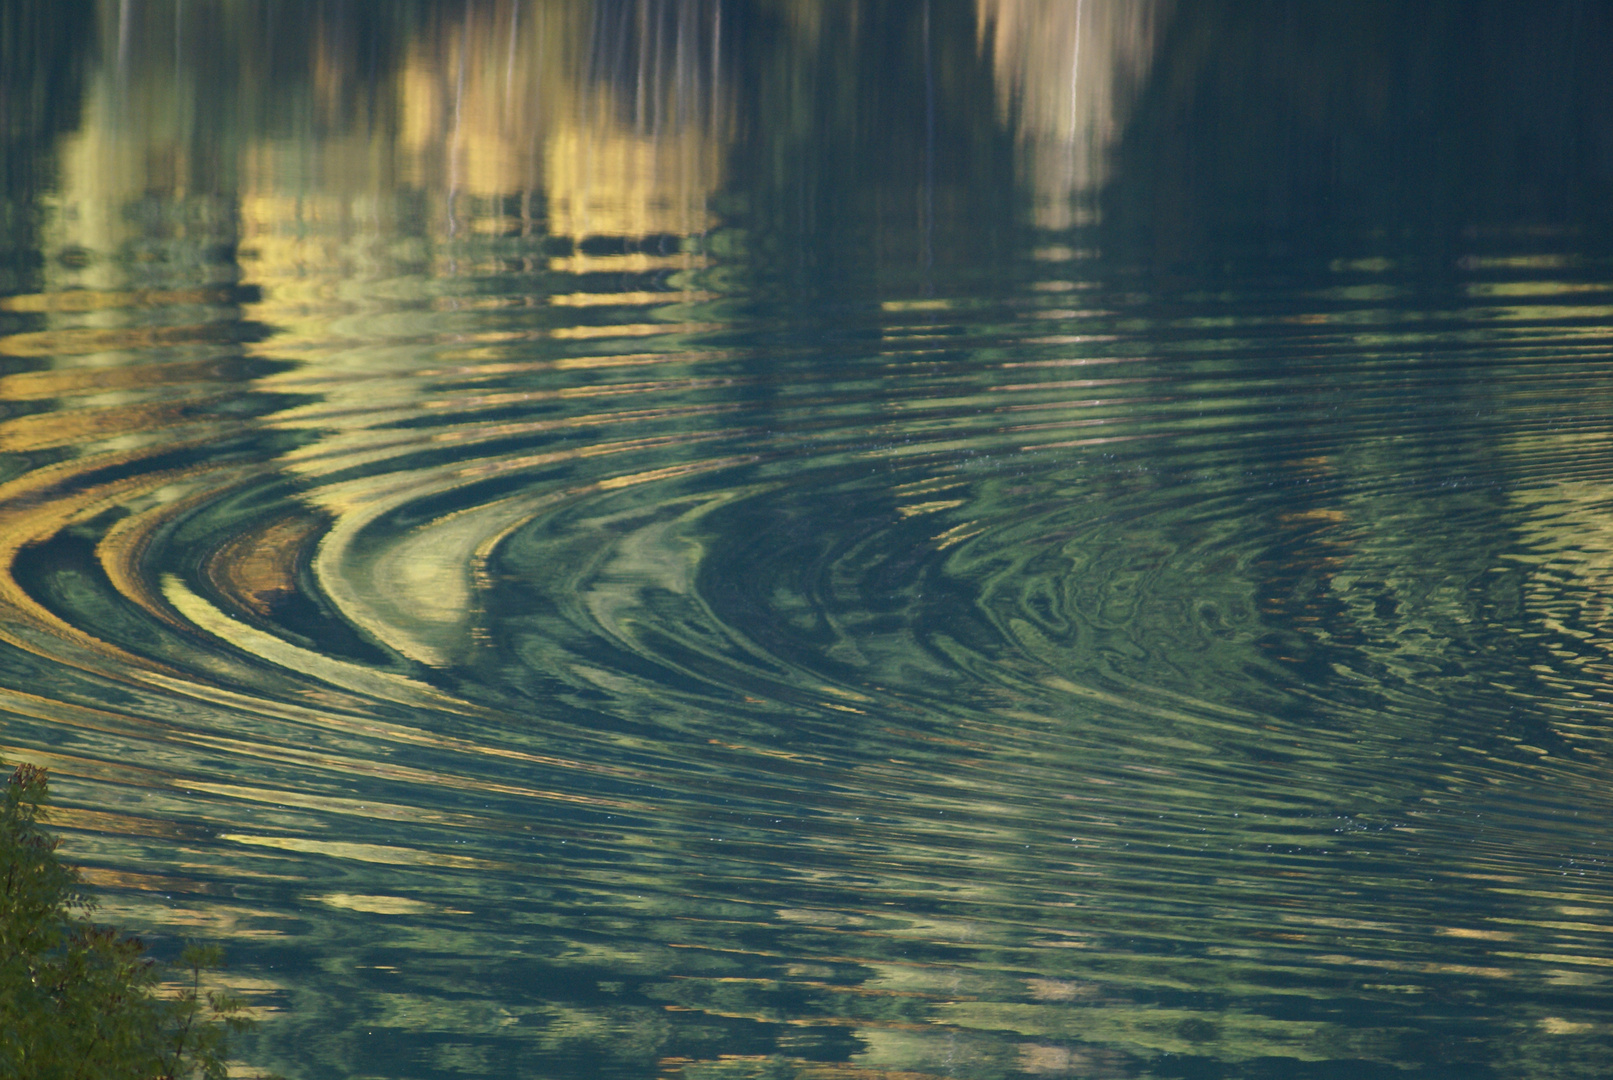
(81, 1002)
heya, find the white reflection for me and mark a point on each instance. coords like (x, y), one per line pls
(1067, 72)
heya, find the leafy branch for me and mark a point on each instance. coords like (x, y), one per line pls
(79, 1001)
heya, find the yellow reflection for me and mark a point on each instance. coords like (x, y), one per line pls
(604, 180)
(1556, 1025)
(92, 300)
(608, 299)
(503, 101)
(385, 685)
(633, 262)
(384, 854)
(525, 104)
(510, 121)
(1066, 73)
(588, 333)
(511, 116)
(376, 905)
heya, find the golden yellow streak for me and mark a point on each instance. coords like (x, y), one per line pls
(581, 333)
(610, 299)
(77, 342)
(370, 853)
(48, 513)
(80, 300)
(630, 263)
(65, 382)
(386, 685)
(376, 905)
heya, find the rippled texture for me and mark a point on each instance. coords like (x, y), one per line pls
(551, 612)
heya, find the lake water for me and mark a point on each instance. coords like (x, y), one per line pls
(712, 541)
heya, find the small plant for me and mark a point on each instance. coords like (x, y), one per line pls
(200, 1037)
(79, 1001)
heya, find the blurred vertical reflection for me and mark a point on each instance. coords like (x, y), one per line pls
(639, 149)
(325, 165)
(1067, 72)
(594, 119)
(1276, 129)
(606, 119)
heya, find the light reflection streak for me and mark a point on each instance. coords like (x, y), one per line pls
(1066, 76)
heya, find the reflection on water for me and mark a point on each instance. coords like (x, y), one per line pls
(609, 539)
(1066, 74)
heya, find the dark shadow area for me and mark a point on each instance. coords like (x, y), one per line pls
(44, 51)
(869, 148)
(1292, 128)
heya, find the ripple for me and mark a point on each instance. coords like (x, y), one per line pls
(601, 670)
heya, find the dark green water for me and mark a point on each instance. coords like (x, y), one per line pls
(726, 540)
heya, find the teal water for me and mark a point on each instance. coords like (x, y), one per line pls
(723, 540)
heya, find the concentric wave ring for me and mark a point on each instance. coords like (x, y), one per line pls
(960, 694)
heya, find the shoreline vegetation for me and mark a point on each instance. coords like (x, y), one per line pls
(80, 1001)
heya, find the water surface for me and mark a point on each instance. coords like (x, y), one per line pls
(709, 540)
